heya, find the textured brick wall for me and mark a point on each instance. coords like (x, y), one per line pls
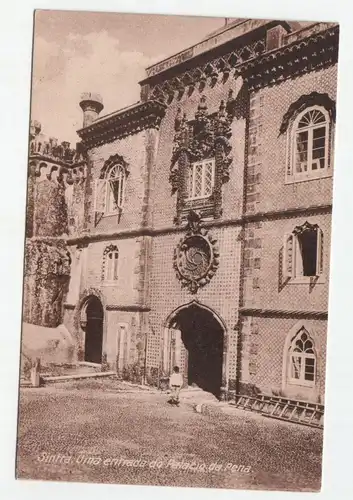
(264, 285)
(162, 203)
(257, 183)
(262, 339)
(221, 294)
(133, 150)
(271, 154)
(126, 290)
(262, 351)
(138, 151)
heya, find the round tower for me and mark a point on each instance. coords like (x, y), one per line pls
(91, 105)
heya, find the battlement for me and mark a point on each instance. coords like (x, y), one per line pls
(49, 147)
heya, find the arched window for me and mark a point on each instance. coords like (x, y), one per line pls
(115, 189)
(303, 252)
(309, 145)
(110, 263)
(302, 360)
(110, 191)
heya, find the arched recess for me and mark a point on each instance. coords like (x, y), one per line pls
(195, 340)
(299, 391)
(170, 317)
(82, 311)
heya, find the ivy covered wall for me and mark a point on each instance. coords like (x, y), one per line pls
(47, 259)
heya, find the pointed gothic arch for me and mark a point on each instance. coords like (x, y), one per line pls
(300, 365)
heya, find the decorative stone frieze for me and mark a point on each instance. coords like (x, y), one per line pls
(218, 69)
(311, 48)
(38, 168)
(129, 121)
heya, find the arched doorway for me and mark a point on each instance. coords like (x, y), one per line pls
(196, 339)
(94, 330)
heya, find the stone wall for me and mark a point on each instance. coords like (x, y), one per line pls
(263, 355)
(163, 203)
(262, 339)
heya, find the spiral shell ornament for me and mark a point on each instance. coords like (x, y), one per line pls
(196, 258)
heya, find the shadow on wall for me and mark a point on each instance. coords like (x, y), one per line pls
(51, 345)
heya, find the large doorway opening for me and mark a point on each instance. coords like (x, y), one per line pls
(202, 339)
(94, 330)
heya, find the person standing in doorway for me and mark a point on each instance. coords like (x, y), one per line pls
(175, 382)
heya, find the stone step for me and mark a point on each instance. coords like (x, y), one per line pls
(77, 376)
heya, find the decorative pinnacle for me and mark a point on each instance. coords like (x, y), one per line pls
(35, 128)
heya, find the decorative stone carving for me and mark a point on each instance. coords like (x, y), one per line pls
(114, 160)
(305, 227)
(55, 172)
(301, 52)
(196, 257)
(318, 50)
(306, 101)
(207, 136)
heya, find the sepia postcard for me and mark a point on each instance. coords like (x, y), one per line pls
(177, 251)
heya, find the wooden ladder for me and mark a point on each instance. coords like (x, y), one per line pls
(301, 412)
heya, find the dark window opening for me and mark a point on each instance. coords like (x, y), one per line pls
(308, 248)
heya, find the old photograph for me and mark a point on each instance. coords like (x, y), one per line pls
(177, 251)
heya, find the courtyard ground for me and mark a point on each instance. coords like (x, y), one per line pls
(106, 432)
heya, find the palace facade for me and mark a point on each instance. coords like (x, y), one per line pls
(193, 227)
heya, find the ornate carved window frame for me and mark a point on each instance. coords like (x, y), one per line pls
(205, 138)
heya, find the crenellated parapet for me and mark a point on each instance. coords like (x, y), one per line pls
(53, 160)
(49, 147)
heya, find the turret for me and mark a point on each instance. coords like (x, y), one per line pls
(35, 129)
(91, 105)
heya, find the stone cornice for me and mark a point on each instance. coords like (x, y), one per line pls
(131, 120)
(318, 50)
(283, 313)
(117, 307)
(240, 222)
(228, 35)
(311, 48)
(128, 308)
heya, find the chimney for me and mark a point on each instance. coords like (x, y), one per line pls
(274, 37)
(91, 105)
